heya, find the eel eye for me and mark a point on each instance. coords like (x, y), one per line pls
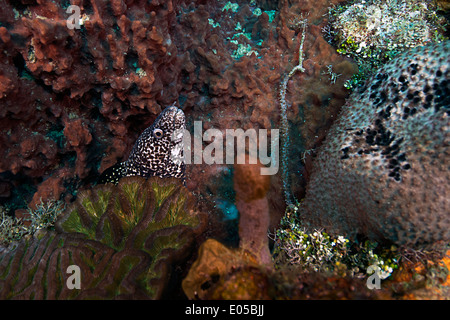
(157, 133)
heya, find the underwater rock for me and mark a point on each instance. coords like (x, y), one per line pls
(123, 238)
(383, 170)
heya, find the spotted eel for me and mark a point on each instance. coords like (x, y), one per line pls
(157, 152)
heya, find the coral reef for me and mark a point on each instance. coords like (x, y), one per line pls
(244, 94)
(319, 252)
(123, 238)
(73, 102)
(251, 201)
(158, 152)
(382, 171)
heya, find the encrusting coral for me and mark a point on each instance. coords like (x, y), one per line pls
(382, 171)
(123, 238)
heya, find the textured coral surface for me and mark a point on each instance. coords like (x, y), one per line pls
(75, 100)
(123, 238)
(251, 201)
(383, 170)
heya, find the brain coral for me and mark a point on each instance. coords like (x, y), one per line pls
(383, 170)
(123, 238)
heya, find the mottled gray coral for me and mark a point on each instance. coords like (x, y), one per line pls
(383, 169)
(387, 24)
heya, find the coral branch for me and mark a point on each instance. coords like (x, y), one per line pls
(284, 120)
